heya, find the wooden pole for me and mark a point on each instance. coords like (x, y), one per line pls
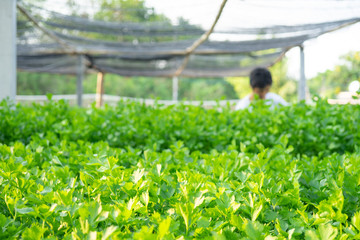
(99, 89)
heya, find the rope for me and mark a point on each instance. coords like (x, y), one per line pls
(47, 32)
(197, 43)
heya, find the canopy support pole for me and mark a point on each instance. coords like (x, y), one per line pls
(302, 80)
(80, 78)
(100, 89)
(8, 49)
(175, 88)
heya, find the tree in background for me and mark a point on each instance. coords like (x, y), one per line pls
(44, 83)
(206, 89)
(24, 26)
(127, 11)
(329, 83)
(137, 87)
(282, 84)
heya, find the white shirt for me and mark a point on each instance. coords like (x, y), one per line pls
(273, 98)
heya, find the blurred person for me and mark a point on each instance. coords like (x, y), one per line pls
(260, 82)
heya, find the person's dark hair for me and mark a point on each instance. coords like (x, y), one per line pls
(260, 78)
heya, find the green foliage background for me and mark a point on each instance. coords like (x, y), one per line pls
(330, 83)
(139, 87)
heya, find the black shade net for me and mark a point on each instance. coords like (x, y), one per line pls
(155, 49)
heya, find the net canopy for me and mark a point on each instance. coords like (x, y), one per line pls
(50, 38)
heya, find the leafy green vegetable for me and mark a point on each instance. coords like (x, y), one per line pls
(137, 172)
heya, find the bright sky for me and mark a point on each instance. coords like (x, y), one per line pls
(324, 52)
(320, 54)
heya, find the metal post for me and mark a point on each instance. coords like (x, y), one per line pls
(80, 77)
(175, 88)
(99, 89)
(302, 81)
(8, 49)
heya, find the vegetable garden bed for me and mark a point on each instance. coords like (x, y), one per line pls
(179, 172)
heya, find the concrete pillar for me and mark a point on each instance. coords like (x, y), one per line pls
(302, 80)
(175, 88)
(8, 49)
(80, 78)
